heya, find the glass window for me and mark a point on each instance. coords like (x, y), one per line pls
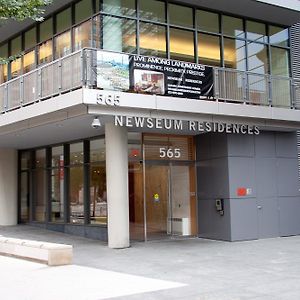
(64, 20)
(40, 186)
(98, 197)
(76, 195)
(279, 36)
(182, 45)
(207, 21)
(62, 44)
(234, 54)
(97, 150)
(209, 49)
(30, 38)
(256, 31)
(83, 10)
(24, 197)
(29, 61)
(25, 160)
(233, 26)
(45, 52)
(57, 184)
(76, 153)
(153, 10)
(46, 30)
(181, 15)
(258, 58)
(119, 7)
(3, 67)
(97, 32)
(119, 34)
(16, 68)
(153, 39)
(280, 62)
(16, 45)
(57, 157)
(82, 35)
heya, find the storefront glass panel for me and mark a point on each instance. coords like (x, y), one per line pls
(24, 197)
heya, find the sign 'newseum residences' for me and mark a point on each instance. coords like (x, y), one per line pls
(153, 75)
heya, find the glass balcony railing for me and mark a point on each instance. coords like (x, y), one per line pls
(80, 70)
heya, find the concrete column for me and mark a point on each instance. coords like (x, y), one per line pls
(117, 186)
(8, 187)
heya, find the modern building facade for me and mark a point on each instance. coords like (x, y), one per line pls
(137, 120)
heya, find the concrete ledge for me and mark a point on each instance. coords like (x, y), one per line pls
(49, 253)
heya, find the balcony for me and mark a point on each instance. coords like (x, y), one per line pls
(79, 70)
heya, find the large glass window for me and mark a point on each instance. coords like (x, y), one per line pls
(76, 184)
(62, 44)
(119, 34)
(279, 62)
(256, 32)
(153, 10)
(30, 38)
(209, 49)
(46, 30)
(57, 184)
(233, 27)
(120, 7)
(83, 10)
(3, 67)
(45, 52)
(207, 21)
(97, 32)
(29, 61)
(258, 58)
(279, 36)
(16, 46)
(181, 15)
(153, 39)
(182, 45)
(64, 20)
(40, 192)
(82, 35)
(16, 68)
(234, 54)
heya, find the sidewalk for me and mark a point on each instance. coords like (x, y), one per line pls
(173, 269)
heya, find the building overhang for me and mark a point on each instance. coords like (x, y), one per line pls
(284, 13)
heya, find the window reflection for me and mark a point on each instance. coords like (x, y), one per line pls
(82, 36)
(153, 10)
(209, 49)
(234, 54)
(233, 27)
(76, 195)
(181, 15)
(63, 20)
(119, 34)
(207, 21)
(182, 44)
(83, 10)
(256, 31)
(30, 38)
(258, 58)
(45, 52)
(120, 7)
(279, 36)
(29, 61)
(152, 39)
(279, 62)
(62, 44)
(46, 30)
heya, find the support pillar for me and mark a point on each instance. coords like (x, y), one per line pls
(117, 186)
(8, 187)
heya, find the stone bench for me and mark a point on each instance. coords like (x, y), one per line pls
(49, 253)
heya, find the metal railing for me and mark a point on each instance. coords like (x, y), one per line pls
(79, 69)
(256, 89)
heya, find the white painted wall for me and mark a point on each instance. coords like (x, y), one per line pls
(8, 187)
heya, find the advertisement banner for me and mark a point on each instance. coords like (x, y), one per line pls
(168, 77)
(153, 75)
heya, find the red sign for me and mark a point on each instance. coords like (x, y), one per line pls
(241, 191)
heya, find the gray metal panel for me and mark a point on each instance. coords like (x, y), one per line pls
(289, 215)
(268, 217)
(265, 145)
(244, 219)
(203, 147)
(240, 145)
(241, 175)
(218, 145)
(266, 185)
(287, 179)
(204, 179)
(211, 224)
(286, 144)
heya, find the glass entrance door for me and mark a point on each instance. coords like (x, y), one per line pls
(170, 199)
